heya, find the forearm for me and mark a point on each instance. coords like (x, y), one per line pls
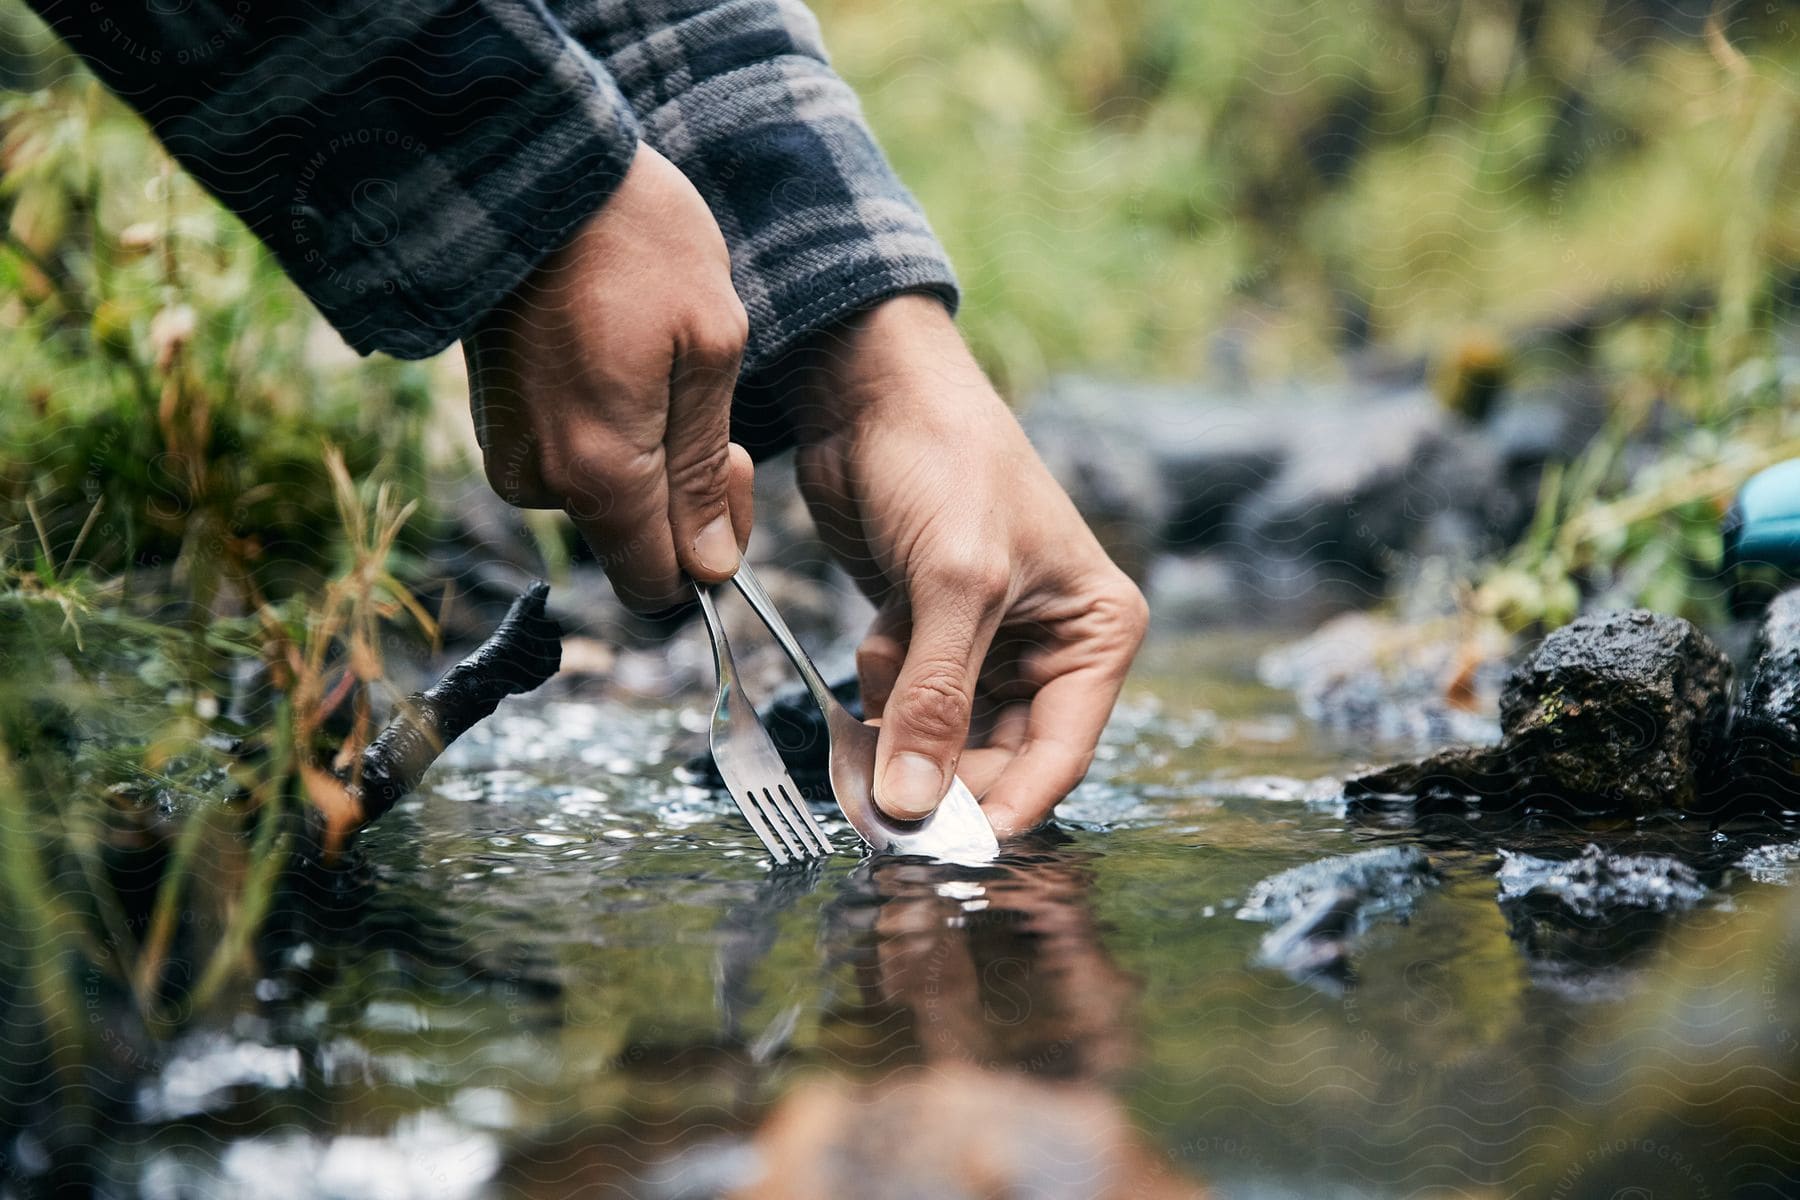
(407, 163)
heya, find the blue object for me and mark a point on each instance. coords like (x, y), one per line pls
(1762, 526)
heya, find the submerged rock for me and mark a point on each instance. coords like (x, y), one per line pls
(1618, 710)
(1586, 923)
(1615, 712)
(1765, 751)
(1597, 883)
(1319, 908)
(1773, 863)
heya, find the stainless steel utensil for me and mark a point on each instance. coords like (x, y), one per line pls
(751, 766)
(956, 832)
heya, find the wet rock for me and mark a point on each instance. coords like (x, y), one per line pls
(1618, 711)
(1774, 863)
(1765, 750)
(1614, 712)
(1320, 908)
(1596, 883)
(1449, 777)
(1585, 923)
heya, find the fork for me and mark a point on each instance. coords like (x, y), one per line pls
(750, 765)
(956, 831)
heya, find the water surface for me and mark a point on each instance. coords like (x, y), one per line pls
(564, 970)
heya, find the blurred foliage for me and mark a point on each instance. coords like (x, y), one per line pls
(166, 387)
(1196, 188)
(1158, 184)
(154, 778)
(1610, 532)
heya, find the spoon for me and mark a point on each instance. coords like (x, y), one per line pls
(956, 831)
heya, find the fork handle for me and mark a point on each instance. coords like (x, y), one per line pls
(715, 629)
(752, 590)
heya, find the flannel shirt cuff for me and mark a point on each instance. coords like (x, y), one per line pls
(740, 97)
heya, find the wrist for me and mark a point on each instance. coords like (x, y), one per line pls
(903, 355)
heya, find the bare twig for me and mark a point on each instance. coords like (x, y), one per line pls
(523, 652)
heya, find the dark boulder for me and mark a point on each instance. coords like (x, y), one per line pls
(1363, 488)
(1618, 711)
(1765, 750)
(1614, 712)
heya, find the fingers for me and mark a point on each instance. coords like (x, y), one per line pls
(625, 518)
(925, 722)
(1068, 714)
(1066, 720)
(502, 426)
(697, 447)
(879, 659)
(740, 494)
(619, 501)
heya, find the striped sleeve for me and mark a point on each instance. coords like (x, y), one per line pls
(408, 162)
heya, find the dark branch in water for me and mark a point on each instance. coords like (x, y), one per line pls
(523, 651)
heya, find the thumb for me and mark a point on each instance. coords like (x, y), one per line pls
(925, 722)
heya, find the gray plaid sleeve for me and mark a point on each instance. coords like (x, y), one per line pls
(739, 94)
(407, 161)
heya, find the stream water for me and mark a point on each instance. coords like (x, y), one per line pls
(568, 971)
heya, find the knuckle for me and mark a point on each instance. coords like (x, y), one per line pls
(507, 483)
(513, 472)
(591, 474)
(982, 578)
(562, 473)
(719, 334)
(935, 706)
(1121, 612)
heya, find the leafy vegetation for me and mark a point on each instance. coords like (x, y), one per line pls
(1123, 183)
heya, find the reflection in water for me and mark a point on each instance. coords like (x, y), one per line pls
(746, 935)
(977, 1017)
(982, 1017)
(997, 967)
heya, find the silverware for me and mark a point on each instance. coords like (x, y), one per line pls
(751, 766)
(955, 832)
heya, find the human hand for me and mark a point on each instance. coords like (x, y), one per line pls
(1002, 628)
(603, 388)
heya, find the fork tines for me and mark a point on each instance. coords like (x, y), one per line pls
(783, 822)
(751, 766)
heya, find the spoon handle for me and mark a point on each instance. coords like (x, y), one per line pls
(752, 590)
